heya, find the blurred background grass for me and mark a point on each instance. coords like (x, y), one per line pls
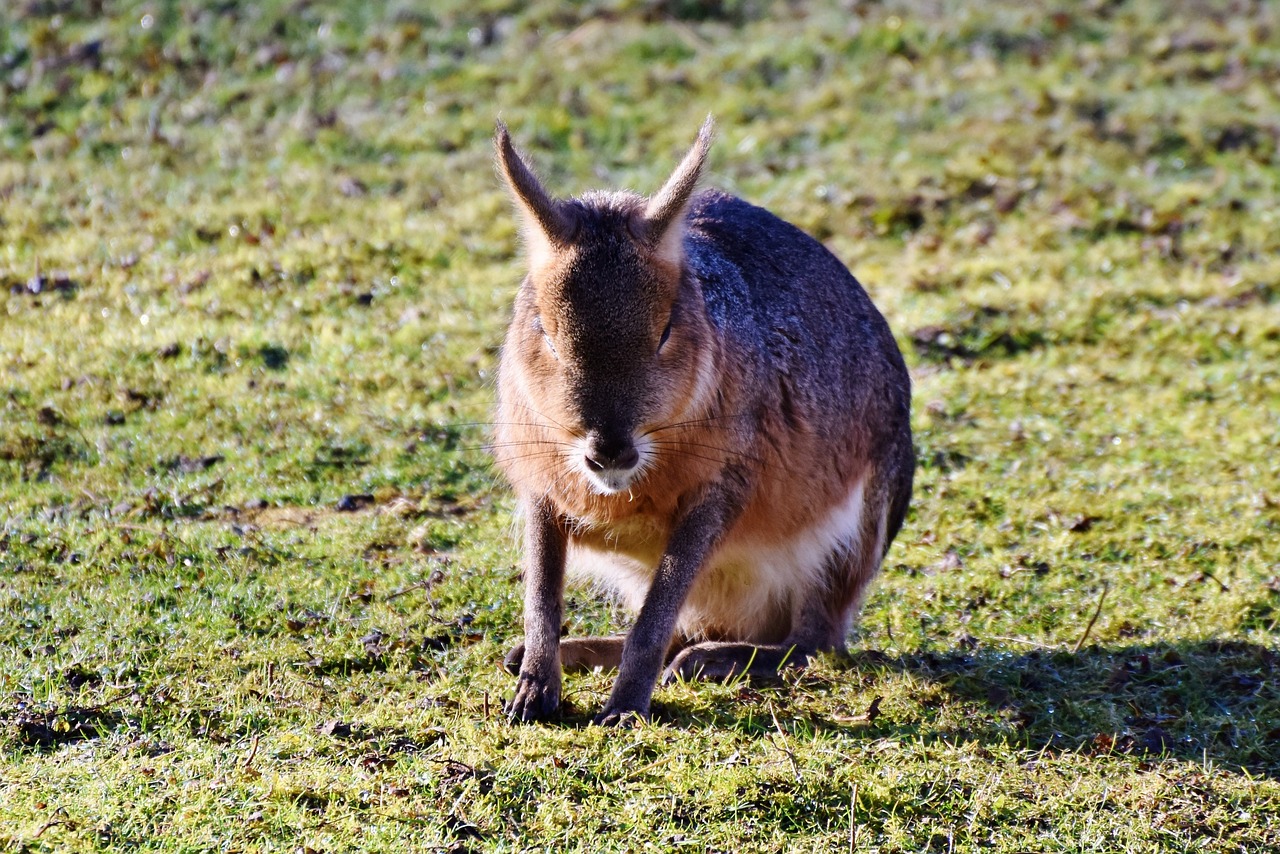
(255, 572)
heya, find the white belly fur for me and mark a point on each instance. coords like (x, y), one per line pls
(747, 586)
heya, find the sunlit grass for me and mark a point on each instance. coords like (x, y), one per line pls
(257, 576)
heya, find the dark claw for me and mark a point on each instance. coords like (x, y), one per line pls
(623, 718)
(533, 701)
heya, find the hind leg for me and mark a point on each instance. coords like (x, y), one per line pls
(577, 655)
(716, 661)
(814, 629)
(584, 655)
(820, 619)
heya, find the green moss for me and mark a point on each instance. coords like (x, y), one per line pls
(257, 575)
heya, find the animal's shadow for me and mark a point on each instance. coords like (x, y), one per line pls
(1215, 701)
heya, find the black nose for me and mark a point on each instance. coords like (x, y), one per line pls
(611, 452)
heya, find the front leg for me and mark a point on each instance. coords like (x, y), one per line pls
(645, 651)
(537, 695)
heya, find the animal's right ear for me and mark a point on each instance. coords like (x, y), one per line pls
(548, 225)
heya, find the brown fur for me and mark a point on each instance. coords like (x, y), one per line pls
(698, 407)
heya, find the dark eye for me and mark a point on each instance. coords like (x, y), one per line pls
(666, 333)
(546, 339)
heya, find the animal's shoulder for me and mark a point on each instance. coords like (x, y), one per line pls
(787, 305)
(742, 229)
(749, 259)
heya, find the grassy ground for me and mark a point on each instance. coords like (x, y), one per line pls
(256, 574)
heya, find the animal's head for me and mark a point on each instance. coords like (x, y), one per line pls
(610, 340)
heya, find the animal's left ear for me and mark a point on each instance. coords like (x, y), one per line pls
(662, 226)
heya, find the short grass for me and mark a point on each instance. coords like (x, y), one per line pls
(256, 574)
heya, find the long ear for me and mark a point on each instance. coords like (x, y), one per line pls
(663, 227)
(547, 222)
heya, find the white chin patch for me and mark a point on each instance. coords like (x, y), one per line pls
(610, 481)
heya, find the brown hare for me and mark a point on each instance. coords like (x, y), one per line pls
(700, 409)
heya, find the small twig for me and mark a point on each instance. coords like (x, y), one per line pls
(853, 824)
(110, 701)
(54, 823)
(1209, 575)
(420, 585)
(634, 775)
(1026, 641)
(157, 532)
(1096, 611)
(92, 496)
(790, 754)
(411, 819)
(253, 752)
(425, 584)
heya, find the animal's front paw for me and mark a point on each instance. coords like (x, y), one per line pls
(628, 718)
(534, 700)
